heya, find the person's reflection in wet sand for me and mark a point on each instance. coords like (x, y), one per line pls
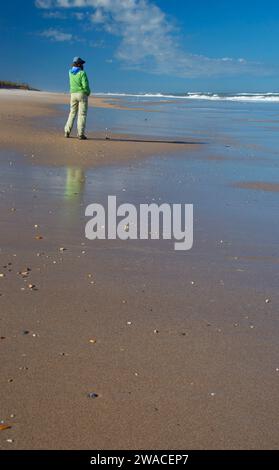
(75, 183)
(72, 211)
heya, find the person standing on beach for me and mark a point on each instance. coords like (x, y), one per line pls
(80, 91)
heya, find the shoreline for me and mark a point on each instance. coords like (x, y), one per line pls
(20, 131)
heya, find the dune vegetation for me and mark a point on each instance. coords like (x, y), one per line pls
(14, 85)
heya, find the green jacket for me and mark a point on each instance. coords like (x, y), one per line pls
(79, 82)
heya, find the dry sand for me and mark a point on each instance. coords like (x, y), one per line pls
(179, 355)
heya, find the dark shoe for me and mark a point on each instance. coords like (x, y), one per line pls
(67, 135)
(82, 137)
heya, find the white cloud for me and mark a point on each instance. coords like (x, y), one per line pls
(44, 3)
(148, 39)
(56, 15)
(79, 16)
(98, 17)
(56, 35)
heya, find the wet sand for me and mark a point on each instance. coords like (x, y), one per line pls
(181, 349)
(259, 186)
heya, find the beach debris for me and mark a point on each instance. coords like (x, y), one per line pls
(156, 332)
(129, 323)
(92, 395)
(62, 249)
(31, 286)
(267, 301)
(25, 272)
(212, 394)
(4, 427)
(39, 237)
(2, 275)
(26, 332)
(10, 441)
(93, 341)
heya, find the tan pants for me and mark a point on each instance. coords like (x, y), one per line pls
(79, 105)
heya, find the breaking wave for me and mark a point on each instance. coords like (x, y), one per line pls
(241, 97)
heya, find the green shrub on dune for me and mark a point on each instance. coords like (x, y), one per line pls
(13, 85)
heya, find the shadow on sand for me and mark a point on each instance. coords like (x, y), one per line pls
(144, 141)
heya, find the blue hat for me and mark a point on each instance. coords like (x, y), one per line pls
(78, 60)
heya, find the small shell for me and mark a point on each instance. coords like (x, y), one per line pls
(4, 427)
(92, 395)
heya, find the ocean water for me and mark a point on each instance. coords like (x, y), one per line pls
(242, 137)
(251, 127)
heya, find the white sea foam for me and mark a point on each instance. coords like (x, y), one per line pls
(240, 97)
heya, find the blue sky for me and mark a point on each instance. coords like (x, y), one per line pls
(143, 45)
